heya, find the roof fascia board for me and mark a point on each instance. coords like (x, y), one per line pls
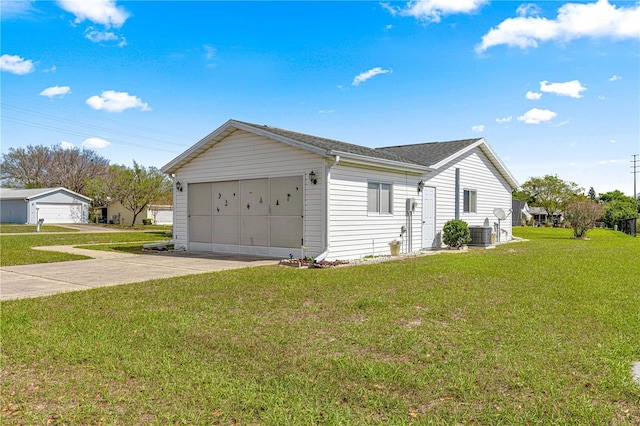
(379, 162)
(222, 131)
(182, 158)
(52, 190)
(458, 154)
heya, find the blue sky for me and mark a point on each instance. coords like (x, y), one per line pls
(554, 87)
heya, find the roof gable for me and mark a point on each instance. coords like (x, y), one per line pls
(419, 158)
(27, 194)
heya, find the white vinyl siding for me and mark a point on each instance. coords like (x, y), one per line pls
(477, 172)
(355, 232)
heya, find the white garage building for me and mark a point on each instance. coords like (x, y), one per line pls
(54, 205)
(253, 189)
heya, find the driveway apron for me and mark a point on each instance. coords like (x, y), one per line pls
(111, 268)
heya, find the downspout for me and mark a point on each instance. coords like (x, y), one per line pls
(457, 191)
(327, 193)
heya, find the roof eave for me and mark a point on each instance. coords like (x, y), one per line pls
(380, 162)
(223, 131)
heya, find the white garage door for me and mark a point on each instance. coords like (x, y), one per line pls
(252, 216)
(160, 217)
(60, 213)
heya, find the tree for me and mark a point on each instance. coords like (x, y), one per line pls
(592, 194)
(549, 192)
(582, 213)
(49, 167)
(618, 206)
(135, 188)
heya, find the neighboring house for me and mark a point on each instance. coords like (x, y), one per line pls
(541, 217)
(520, 213)
(54, 205)
(118, 214)
(253, 189)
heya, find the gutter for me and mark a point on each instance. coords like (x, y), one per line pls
(322, 256)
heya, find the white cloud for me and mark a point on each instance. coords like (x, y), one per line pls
(95, 143)
(388, 27)
(562, 123)
(16, 65)
(575, 20)
(113, 101)
(533, 96)
(615, 77)
(528, 9)
(12, 9)
(98, 36)
(612, 161)
(52, 69)
(209, 52)
(478, 129)
(362, 77)
(50, 92)
(103, 12)
(570, 88)
(433, 10)
(66, 145)
(612, 141)
(326, 111)
(504, 119)
(537, 116)
(601, 98)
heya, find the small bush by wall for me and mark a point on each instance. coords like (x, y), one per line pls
(456, 234)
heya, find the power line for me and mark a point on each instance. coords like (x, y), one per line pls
(60, 130)
(635, 164)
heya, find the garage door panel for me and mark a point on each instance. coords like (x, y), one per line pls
(286, 196)
(200, 229)
(226, 198)
(200, 199)
(254, 197)
(286, 231)
(254, 231)
(225, 229)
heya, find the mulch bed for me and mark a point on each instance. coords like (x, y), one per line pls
(307, 263)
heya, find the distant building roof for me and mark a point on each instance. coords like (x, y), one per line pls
(27, 194)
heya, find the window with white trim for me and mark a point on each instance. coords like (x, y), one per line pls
(379, 197)
(470, 201)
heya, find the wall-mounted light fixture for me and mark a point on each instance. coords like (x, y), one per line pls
(420, 186)
(178, 186)
(312, 177)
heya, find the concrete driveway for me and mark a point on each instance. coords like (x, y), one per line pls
(111, 268)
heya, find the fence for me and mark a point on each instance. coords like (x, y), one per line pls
(628, 226)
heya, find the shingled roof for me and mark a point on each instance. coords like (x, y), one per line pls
(428, 154)
(418, 158)
(27, 194)
(332, 145)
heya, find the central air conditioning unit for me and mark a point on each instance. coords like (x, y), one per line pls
(480, 236)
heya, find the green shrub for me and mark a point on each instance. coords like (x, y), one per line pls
(455, 233)
(146, 221)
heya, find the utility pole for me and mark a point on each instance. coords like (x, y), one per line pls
(634, 170)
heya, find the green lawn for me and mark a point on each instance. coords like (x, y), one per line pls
(16, 249)
(542, 332)
(6, 228)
